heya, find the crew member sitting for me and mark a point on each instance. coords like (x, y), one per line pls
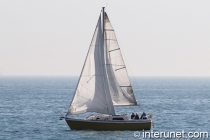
(136, 117)
(132, 116)
(143, 116)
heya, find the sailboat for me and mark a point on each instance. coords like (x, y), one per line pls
(103, 84)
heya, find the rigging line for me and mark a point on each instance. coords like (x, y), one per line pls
(90, 78)
(92, 93)
(141, 108)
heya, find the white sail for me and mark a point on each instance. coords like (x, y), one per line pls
(119, 83)
(92, 93)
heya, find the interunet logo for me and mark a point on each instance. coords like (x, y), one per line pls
(170, 135)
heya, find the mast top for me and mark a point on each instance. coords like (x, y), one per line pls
(103, 9)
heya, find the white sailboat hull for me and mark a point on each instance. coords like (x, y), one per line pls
(106, 125)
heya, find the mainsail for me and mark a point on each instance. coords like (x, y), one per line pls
(104, 81)
(119, 83)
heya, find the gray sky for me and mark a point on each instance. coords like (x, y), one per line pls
(158, 38)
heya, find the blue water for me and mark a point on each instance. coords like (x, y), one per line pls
(30, 106)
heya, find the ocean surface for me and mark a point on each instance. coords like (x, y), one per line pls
(30, 107)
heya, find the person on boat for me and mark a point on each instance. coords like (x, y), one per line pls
(136, 117)
(132, 116)
(143, 116)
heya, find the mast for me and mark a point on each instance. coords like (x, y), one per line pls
(103, 13)
(107, 90)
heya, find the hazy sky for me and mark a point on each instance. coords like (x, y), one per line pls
(158, 38)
